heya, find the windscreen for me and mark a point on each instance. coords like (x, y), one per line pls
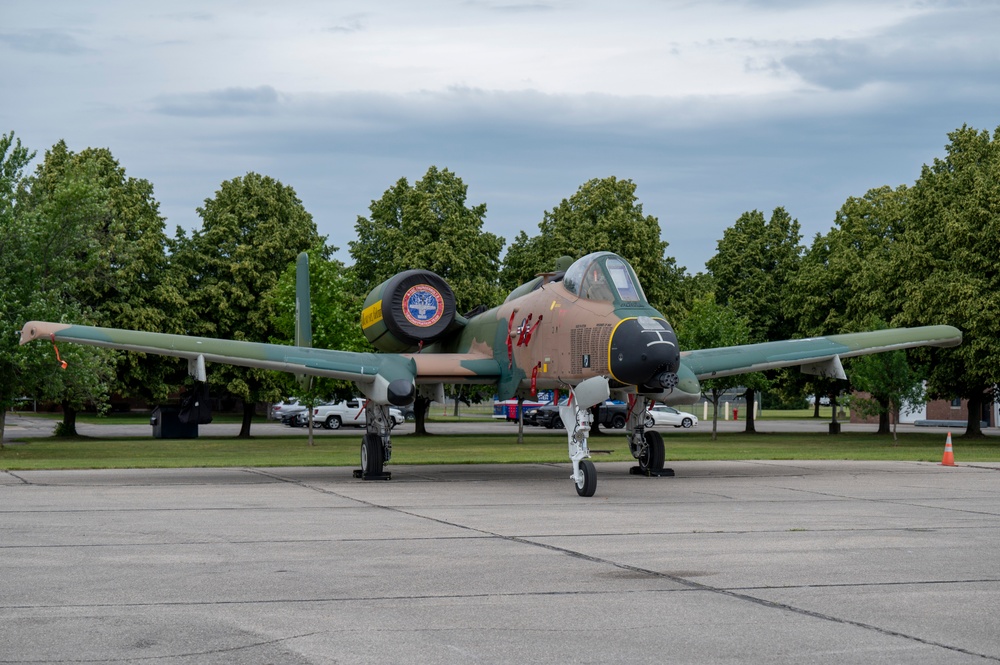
(603, 276)
(627, 289)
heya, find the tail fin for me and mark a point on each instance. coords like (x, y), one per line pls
(303, 308)
(303, 312)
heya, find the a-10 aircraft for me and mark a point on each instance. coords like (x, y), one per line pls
(588, 329)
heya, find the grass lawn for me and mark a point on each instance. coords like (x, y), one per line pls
(437, 414)
(144, 452)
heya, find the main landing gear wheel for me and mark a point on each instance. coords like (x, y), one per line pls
(653, 455)
(586, 483)
(371, 455)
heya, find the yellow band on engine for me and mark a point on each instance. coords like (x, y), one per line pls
(371, 315)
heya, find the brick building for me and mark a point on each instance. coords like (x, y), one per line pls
(941, 409)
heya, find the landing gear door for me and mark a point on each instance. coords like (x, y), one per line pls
(592, 391)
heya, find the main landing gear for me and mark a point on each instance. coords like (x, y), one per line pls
(376, 447)
(646, 445)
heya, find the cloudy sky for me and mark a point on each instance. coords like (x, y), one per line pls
(711, 107)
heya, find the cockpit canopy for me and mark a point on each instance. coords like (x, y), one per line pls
(603, 276)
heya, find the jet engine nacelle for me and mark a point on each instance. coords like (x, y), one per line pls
(408, 311)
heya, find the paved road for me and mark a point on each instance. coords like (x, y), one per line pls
(24, 426)
(749, 562)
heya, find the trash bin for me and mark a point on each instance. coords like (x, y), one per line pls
(167, 425)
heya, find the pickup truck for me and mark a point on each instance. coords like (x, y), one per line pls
(609, 414)
(350, 412)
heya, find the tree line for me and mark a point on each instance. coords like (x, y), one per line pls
(82, 242)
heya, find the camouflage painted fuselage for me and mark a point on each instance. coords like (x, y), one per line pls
(554, 332)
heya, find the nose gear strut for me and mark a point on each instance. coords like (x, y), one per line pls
(578, 419)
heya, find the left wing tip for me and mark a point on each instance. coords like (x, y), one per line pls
(950, 336)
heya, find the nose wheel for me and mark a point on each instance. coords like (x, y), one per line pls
(577, 417)
(586, 478)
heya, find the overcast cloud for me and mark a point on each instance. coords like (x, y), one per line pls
(712, 108)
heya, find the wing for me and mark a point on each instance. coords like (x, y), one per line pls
(382, 376)
(816, 355)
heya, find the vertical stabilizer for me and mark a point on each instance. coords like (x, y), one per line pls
(303, 310)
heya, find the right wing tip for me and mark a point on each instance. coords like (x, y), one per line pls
(33, 330)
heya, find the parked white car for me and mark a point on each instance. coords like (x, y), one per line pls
(668, 415)
(289, 411)
(348, 413)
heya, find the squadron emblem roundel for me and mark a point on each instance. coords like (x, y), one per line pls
(423, 305)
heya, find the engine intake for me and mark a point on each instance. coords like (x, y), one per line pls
(408, 310)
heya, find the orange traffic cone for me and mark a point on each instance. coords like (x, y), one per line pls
(949, 455)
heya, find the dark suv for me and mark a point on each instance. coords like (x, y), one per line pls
(609, 414)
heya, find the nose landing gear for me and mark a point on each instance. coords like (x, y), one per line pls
(586, 478)
(578, 419)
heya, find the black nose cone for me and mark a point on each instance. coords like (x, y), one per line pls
(643, 350)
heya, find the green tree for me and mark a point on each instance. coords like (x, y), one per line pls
(843, 281)
(61, 238)
(753, 270)
(526, 257)
(603, 214)
(693, 288)
(708, 326)
(945, 270)
(890, 383)
(429, 226)
(50, 252)
(251, 231)
(14, 159)
(336, 315)
(117, 246)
